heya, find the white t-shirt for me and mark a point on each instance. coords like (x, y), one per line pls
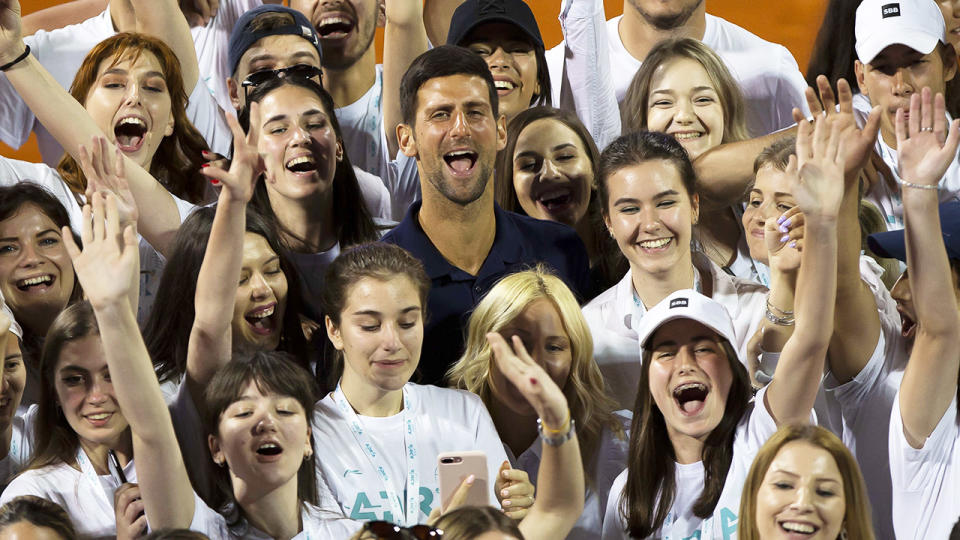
(61, 52)
(21, 444)
(610, 460)
(885, 193)
(317, 524)
(445, 420)
(768, 74)
(756, 426)
(86, 496)
(13, 171)
(926, 481)
(212, 43)
(863, 404)
(613, 317)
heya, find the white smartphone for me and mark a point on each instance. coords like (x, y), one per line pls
(454, 467)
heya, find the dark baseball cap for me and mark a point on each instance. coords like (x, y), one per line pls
(473, 13)
(241, 38)
(891, 244)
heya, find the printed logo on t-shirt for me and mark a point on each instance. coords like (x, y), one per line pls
(724, 526)
(679, 302)
(374, 505)
(890, 10)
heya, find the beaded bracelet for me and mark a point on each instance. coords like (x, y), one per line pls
(17, 60)
(771, 307)
(934, 187)
(780, 321)
(556, 439)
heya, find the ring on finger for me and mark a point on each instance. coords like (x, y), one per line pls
(927, 128)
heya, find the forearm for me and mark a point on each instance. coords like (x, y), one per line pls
(931, 281)
(781, 300)
(436, 18)
(405, 38)
(560, 493)
(164, 19)
(724, 172)
(58, 16)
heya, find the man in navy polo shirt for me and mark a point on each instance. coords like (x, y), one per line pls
(452, 128)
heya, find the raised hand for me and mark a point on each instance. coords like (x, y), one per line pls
(924, 146)
(11, 33)
(818, 187)
(247, 163)
(106, 177)
(107, 267)
(199, 12)
(858, 142)
(530, 379)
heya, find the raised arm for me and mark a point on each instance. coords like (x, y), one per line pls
(404, 38)
(436, 18)
(72, 127)
(930, 381)
(856, 321)
(106, 267)
(560, 494)
(164, 19)
(818, 190)
(210, 338)
(63, 14)
(725, 171)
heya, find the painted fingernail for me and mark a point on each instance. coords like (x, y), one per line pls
(781, 219)
(784, 238)
(533, 380)
(471, 478)
(793, 244)
(204, 153)
(504, 493)
(204, 165)
(506, 502)
(215, 182)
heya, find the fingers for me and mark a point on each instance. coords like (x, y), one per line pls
(872, 127)
(953, 139)
(798, 116)
(913, 118)
(99, 227)
(238, 134)
(216, 175)
(926, 109)
(900, 127)
(844, 96)
(253, 132)
(804, 141)
(939, 117)
(125, 494)
(460, 495)
(72, 250)
(827, 97)
(813, 102)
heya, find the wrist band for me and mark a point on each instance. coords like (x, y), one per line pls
(564, 427)
(17, 60)
(556, 439)
(934, 187)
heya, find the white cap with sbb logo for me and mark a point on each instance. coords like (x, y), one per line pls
(687, 304)
(918, 24)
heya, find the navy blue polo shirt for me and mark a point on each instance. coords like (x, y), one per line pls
(520, 243)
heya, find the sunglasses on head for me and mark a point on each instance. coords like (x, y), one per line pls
(303, 71)
(384, 530)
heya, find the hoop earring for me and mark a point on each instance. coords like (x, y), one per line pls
(843, 533)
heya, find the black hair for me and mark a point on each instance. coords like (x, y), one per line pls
(350, 214)
(167, 330)
(443, 61)
(39, 512)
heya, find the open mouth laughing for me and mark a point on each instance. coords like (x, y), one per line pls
(130, 133)
(263, 320)
(36, 283)
(504, 85)
(302, 165)
(798, 529)
(691, 397)
(655, 245)
(335, 26)
(461, 162)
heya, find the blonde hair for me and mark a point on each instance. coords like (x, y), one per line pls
(636, 100)
(856, 517)
(589, 404)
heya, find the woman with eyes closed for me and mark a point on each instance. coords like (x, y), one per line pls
(15, 426)
(538, 308)
(308, 186)
(805, 483)
(695, 427)
(374, 300)
(684, 89)
(548, 171)
(645, 187)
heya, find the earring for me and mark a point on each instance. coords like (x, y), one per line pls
(843, 533)
(307, 455)
(221, 462)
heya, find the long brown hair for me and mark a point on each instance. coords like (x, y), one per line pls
(651, 481)
(54, 440)
(590, 406)
(856, 517)
(176, 164)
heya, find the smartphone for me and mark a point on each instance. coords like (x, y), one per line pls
(454, 467)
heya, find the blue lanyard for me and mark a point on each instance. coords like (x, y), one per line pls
(412, 515)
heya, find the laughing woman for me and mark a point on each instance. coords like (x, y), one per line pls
(695, 428)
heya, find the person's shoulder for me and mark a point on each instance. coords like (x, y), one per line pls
(444, 402)
(724, 36)
(606, 297)
(540, 232)
(42, 481)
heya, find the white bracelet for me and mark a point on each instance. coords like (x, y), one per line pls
(919, 186)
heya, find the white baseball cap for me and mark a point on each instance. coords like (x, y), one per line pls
(918, 24)
(687, 304)
(14, 327)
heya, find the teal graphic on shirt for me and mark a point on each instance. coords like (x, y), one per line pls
(727, 524)
(373, 505)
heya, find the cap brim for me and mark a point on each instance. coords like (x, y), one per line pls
(922, 42)
(890, 245)
(726, 334)
(462, 34)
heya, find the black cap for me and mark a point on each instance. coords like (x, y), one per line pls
(891, 244)
(473, 13)
(241, 38)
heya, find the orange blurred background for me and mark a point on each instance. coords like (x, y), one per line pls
(792, 23)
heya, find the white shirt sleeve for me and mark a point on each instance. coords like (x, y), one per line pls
(582, 79)
(207, 117)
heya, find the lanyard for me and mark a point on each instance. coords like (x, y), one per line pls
(641, 309)
(91, 476)
(412, 516)
(705, 529)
